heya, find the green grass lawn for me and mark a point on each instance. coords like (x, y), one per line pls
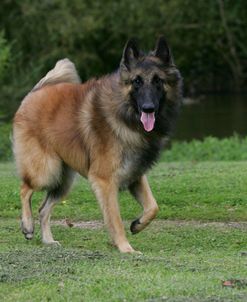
(188, 252)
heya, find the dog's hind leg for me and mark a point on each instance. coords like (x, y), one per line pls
(143, 194)
(53, 196)
(27, 224)
(45, 213)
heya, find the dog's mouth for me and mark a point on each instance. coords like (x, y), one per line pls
(148, 120)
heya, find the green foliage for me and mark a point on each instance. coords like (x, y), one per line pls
(210, 149)
(4, 55)
(207, 39)
(5, 142)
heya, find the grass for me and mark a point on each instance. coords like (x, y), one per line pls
(188, 191)
(185, 258)
(180, 263)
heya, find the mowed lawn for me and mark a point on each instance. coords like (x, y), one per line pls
(196, 250)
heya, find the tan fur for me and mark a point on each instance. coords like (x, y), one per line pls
(62, 128)
(27, 220)
(64, 71)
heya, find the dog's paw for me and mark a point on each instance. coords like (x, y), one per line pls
(135, 226)
(28, 236)
(51, 242)
(126, 248)
(27, 229)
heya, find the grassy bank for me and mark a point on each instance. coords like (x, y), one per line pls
(210, 149)
(184, 259)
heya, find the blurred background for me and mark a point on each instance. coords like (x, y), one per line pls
(208, 40)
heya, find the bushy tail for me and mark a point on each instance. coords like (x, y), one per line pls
(63, 72)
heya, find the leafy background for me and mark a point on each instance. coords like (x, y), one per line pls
(208, 40)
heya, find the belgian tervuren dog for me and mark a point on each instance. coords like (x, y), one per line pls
(109, 130)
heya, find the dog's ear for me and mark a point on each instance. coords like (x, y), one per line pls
(130, 55)
(162, 51)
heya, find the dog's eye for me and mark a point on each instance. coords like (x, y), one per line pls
(137, 82)
(157, 80)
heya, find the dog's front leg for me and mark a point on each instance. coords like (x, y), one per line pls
(143, 194)
(106, 192)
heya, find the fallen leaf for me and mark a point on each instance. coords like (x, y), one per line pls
(228, 283)
(235, 283)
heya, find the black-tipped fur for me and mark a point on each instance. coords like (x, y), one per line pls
(133, 225)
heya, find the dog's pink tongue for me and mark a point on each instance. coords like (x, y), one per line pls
(148, 120)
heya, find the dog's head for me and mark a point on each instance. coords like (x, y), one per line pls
(150, 80)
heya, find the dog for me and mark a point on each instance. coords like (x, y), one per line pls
(110, 130)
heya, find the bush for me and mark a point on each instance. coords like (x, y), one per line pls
(4, 55)
(208, 39)
(210, 149)
(5, 142)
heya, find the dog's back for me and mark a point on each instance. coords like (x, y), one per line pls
(43, 111)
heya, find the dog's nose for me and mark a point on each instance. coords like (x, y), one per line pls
(148, 108)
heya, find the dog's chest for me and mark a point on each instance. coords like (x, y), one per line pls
(136, 162)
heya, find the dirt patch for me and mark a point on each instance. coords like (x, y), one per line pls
(97, 224)
(93, 225)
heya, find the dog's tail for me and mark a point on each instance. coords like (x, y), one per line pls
(63, 72)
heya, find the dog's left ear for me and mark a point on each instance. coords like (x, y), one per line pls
(162, 51)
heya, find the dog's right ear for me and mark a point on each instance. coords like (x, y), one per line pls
(130, 56)
(162, 51)
(131, 53)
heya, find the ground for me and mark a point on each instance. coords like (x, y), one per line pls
(195, 251)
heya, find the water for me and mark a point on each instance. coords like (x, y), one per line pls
(219, 116)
